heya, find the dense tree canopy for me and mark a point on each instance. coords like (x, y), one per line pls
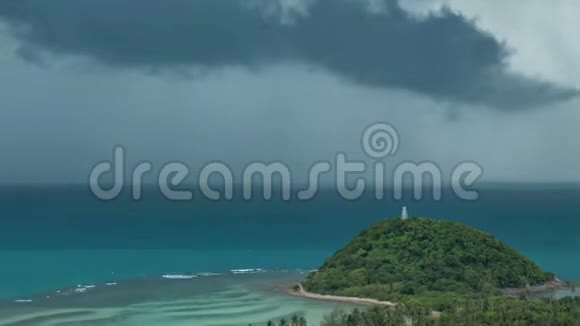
(398, 258)
(494, 310)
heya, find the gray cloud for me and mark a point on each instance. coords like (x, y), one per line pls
(443, 55)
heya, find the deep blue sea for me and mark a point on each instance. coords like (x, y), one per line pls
(54, 236)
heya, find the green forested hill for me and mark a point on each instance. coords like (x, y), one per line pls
(396, 257)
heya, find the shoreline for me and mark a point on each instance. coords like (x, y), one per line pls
(553, 285)
(335, 298)
(288, 288)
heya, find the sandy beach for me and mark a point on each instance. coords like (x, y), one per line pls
(336, 298)
(553, 285)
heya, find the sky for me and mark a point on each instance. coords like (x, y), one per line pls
(296, 81)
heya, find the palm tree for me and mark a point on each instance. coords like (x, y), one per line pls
(294, 320)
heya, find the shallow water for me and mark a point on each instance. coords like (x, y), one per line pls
(213, 300)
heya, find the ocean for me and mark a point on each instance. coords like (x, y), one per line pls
(57, 237)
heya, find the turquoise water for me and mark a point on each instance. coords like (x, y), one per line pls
(29, 272)
(213, 300)
(55, 237)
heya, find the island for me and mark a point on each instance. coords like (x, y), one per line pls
(422, 271)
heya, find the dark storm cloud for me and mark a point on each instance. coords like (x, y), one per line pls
(444, 55)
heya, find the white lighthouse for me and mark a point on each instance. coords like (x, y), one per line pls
(404, 214)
